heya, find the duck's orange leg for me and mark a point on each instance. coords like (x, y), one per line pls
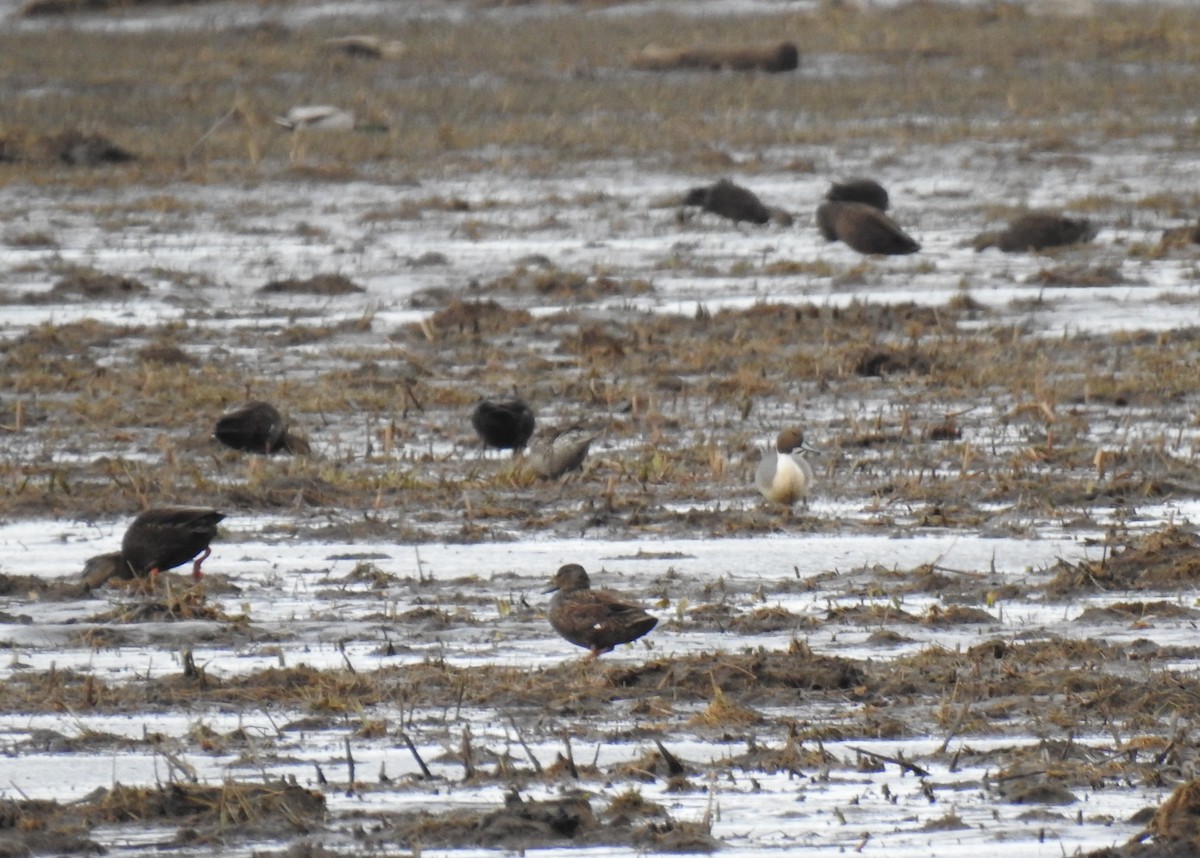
(196, 573)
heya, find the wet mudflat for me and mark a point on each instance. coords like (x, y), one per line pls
(978, 633)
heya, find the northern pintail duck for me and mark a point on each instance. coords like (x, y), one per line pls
(783, 476)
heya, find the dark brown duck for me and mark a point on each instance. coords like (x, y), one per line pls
(505, 424)
(729, 201)
(864, 228)
(594, 619)
(258, 427)
(157, 540)
(1037, 231)
(859, 190)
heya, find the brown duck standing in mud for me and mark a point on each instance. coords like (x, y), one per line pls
(258, 427)
(157, 540)
(598, 620)
(505, 424)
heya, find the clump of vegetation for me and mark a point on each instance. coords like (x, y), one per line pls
(233, 805)
(96, 286)
(1160, 560)
(318, 284)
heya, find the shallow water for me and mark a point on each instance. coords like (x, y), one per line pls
(305, 610)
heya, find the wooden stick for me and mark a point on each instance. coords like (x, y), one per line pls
(412, 749)
(903, 764)
(537, 767)
(468, 766)
(674, 767)
(571, 767)
(350, 766)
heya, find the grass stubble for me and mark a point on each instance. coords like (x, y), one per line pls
(933, 417)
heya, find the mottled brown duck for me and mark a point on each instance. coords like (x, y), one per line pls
(864, 228)
(594, 619)
(559, 452)
(258, 427)
(1037, 231)
(505, 424)
(729, 201)
(157, 540)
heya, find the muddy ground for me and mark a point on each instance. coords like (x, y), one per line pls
(978, 630)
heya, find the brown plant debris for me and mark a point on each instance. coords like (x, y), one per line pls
(234, 809)
(95, 286)
(41, 589)
(319, 284)
(476, 317)
(563, 285)
(1173, 830)
(523, 824)
(42, 828)
(1162, 559)
(1177, 820)
(749, 675)
(1079, 275)
(243, 805)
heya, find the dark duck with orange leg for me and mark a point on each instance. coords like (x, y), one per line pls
(505, 424)
(157, 540)
(598, 620)
(258, 427)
